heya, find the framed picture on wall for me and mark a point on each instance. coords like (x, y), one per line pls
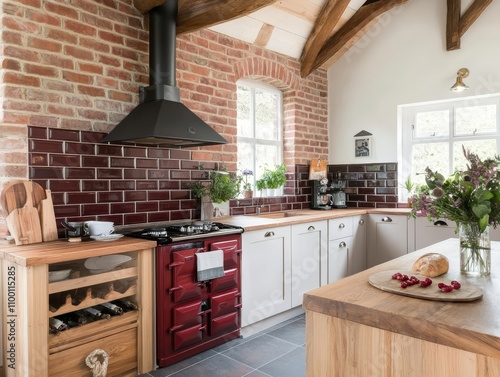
(362, 147)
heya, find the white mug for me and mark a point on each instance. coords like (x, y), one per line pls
(99, 228)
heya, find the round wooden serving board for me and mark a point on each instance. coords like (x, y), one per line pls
(383, 280)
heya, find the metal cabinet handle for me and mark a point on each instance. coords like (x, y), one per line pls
(361, 222)
(269, 234)
(342, 244)
(440, 223)
(386, 219)
(341, 226)
(311, 228)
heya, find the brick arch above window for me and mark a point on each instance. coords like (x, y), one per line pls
(270, 72)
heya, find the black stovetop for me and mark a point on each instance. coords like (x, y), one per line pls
(169, 233)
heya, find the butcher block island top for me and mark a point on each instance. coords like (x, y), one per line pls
(355, 329)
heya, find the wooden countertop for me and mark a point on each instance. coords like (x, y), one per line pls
(470, 326)
(268, 219)
(64, 251)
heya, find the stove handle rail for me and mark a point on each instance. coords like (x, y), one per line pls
(179, 327)
(171, 290)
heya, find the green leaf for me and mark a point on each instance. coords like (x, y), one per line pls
(483, 195)
(483, 223)
(481, 210)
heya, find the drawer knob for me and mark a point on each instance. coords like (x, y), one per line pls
(269, 234)
(386, 219)
(311, 228)
(361, 222)
(342, 244)
(341, 226)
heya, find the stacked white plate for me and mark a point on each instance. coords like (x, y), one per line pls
(58, 275)
(105, 263)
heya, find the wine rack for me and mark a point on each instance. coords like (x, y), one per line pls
(127, 338)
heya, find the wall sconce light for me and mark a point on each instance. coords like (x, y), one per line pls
(459, 86)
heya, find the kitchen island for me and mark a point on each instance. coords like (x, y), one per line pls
(355, 329)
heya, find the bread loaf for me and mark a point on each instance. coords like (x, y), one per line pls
(431, 265)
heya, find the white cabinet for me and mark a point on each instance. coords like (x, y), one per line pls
(340, 239)
(387, 238)
(346, 246)
(279, 265)
(309, 255)
(430, 232)
(266, 270)
(356, 261)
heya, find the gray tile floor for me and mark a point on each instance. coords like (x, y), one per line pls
(276, 352)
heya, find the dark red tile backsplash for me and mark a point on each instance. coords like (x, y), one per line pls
(135, 185)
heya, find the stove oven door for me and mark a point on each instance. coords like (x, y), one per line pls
(180, 307)
(232, 256)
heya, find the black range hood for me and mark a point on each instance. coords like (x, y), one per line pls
(160, 119)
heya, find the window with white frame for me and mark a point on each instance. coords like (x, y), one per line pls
(433, 134)
(260, 129)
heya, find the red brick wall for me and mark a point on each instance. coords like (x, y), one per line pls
(78, 66)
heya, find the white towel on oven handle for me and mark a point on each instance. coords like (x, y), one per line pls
(210, 265)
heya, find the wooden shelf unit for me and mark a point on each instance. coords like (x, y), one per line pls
(28, 348)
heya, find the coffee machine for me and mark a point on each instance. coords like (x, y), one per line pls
(338, 194)
(321, 195)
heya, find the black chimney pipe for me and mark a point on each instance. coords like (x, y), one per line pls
(160, 119)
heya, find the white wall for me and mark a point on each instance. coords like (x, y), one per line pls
(402, 60)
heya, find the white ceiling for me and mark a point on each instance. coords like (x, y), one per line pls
(288, 22)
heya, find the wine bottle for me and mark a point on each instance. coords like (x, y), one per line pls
(96, 314)
(56, 325)
(111, 308)
(81, 317)
(128, 304)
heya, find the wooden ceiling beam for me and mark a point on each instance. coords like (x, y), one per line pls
(457, 25)
(471, 14)
(352, 30)
(199, 14)
(452, 25)
(322, 29)
(144, 6)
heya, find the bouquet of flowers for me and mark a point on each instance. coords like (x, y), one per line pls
(470, 198)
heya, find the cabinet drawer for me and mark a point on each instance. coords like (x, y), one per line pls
(121, 349)
(340, 228)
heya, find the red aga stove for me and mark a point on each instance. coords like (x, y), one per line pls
(193, 316)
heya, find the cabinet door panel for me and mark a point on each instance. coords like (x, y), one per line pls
(357, 253)
(430, 232)
(338, 258)
(309, 255)
(265, 273)
(387, 238)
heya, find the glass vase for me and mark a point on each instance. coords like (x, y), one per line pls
(475, 250)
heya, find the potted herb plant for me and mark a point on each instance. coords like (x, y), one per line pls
(409, 185)
(277, 178)
(216, 193)
(271, 181)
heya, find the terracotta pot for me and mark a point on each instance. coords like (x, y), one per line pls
(248, 194)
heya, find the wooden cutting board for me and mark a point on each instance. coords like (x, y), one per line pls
(48, 218)
(23, 221)
(383, 280)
